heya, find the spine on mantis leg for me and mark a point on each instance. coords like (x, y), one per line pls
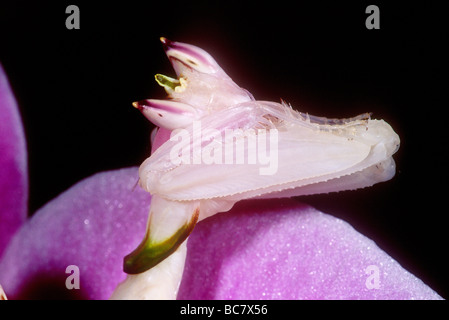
(169, 225)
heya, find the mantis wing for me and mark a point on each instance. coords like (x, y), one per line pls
(284, 154)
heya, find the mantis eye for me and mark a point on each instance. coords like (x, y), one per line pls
(184, 57)
(166, 113)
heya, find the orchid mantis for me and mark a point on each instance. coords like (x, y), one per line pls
(198, 173)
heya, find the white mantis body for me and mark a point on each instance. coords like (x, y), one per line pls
(314, 155)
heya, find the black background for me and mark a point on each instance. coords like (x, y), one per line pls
(75, 89)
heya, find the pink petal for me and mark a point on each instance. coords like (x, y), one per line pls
(265, 249)
(13, 165)
(93, 225)
(281, 249)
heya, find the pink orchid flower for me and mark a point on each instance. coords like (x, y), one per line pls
(260, 249)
